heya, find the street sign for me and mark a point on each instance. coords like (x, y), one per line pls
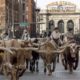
(23, 24)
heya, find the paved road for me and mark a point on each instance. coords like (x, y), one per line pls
(59, 74)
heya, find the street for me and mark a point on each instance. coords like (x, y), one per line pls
(59, 74)
(26, 26)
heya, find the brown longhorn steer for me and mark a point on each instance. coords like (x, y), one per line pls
(70, 57)
(6, 67)
(48, 53)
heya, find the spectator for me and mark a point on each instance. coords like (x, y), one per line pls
(25, 35)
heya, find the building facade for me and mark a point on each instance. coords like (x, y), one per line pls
(60, 14)
(8, 13)
(27, 14)
(2, 14)
(14, 12)
(32, 16)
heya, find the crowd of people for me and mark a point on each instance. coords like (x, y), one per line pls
(58, 37)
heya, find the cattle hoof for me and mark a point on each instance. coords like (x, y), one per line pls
(45, 71)
(21, 72)
(65, 68)
(26, 67)
(57, 61)
(49, 74)
(37, 70)
(32, 69)
(1, 73)
(74, 68)
(53, 70)
(71, 72)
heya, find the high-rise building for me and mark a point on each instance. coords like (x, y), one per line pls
(31, 16)
(27, 14)
(8, 13)
(13, 12)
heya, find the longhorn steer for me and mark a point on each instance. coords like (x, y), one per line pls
(6, 67)
(48, 53)
(70, 57)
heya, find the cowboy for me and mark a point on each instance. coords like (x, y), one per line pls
(69, 36)
(55, 36)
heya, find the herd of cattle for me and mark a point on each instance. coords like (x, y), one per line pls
(17, 56)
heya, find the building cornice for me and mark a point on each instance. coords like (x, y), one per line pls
(77, 13)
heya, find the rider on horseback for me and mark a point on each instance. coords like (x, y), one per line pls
(55, 36)
(69, 36)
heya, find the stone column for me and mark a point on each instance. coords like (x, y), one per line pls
(65, 26)
(76, 25)
(56, 23)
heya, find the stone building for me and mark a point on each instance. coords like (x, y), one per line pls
(60, 14)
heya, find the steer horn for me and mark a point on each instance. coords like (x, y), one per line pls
(6, 49)
(58, 51)
(51, 51)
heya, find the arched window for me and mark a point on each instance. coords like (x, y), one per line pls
(51, 24)
(61, 26)
(70, 25)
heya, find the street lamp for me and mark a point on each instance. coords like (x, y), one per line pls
(37, 20)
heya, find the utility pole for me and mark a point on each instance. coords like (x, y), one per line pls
(13, 18)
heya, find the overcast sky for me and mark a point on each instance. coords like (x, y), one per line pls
(42, 3)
